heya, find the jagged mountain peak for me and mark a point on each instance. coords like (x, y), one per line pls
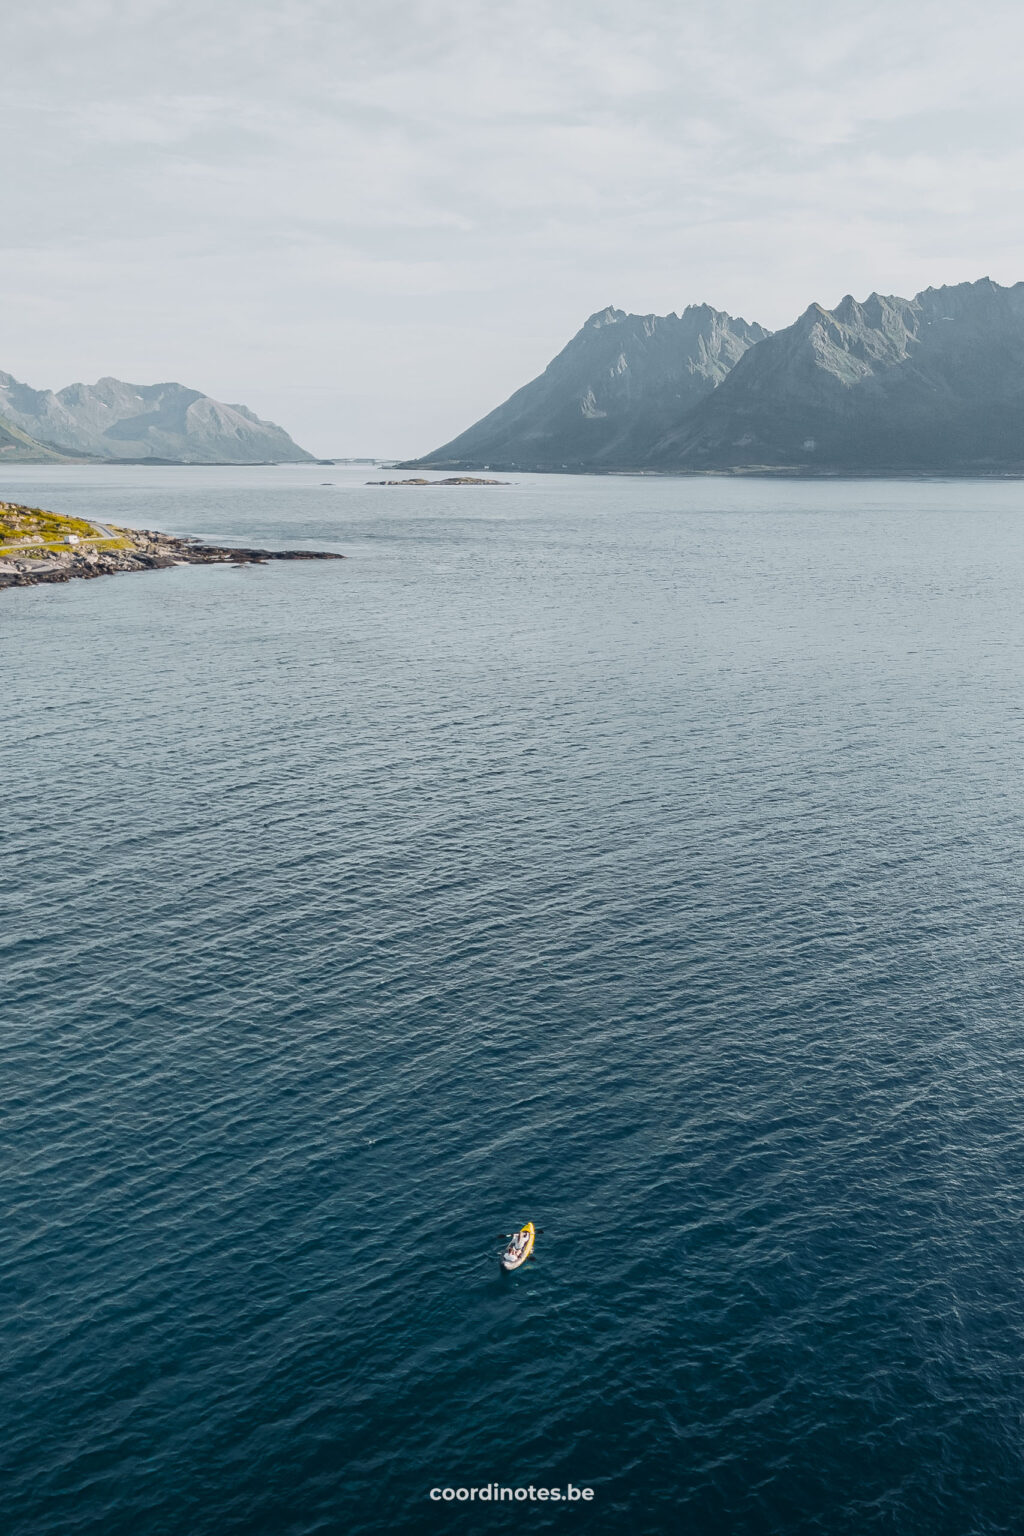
(619, 384)
(603, 317)
(934, 382)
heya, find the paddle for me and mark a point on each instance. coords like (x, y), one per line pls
(505, 1236)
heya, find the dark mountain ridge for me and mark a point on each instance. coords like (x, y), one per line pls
(929, 385)
(619, 386)
(925, 385)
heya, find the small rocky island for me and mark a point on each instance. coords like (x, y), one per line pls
(452, 480)
(38, 547)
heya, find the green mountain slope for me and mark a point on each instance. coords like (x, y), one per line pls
(16, 447)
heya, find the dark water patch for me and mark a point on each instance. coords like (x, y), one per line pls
(640, 858)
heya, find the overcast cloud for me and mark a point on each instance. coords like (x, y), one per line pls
(371, 222)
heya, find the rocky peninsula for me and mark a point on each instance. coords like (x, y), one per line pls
(37, 547)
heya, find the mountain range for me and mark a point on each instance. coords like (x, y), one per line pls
(114, 420)
(933, 384)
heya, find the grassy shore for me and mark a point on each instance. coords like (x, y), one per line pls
(25, 531)
(38, 547)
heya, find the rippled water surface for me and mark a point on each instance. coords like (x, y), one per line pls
(638, 857)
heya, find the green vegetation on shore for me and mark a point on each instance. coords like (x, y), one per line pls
(28, 530)
(39, 547)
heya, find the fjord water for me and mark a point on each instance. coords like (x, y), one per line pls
(639, 857)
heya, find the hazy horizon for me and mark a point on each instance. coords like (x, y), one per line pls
(373, 227)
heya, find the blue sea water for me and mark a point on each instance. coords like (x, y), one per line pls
(642, 857)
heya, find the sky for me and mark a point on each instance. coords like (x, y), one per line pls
(371, 222)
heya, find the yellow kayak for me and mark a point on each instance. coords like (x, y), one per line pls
(520, 1248)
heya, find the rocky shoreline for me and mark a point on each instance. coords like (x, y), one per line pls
(137, 550)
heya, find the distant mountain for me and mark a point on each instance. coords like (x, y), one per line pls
(929, 385)
(621, 385)
(933, 384)
(113, 420)
(17, 447)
